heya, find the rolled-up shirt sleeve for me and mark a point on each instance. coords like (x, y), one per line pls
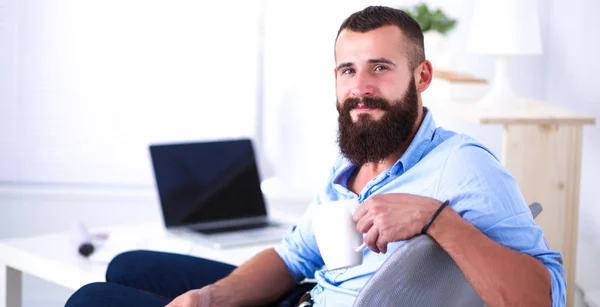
(298, 249)
(559, 288)
(518, 232)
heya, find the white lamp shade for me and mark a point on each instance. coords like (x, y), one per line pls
(505, 27)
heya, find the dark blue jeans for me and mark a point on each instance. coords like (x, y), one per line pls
(145, 278)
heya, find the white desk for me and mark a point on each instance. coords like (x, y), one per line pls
(54, 258)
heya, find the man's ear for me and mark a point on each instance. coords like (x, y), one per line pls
(335, 73)
(423, 75)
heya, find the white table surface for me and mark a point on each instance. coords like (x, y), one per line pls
(54, 257)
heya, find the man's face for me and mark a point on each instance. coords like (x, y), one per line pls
(371, 64)
(377, 98)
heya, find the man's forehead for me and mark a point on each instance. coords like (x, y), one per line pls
(383, 42)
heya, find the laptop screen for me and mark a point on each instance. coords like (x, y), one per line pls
(207, 181)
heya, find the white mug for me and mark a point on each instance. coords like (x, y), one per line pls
(340, 244)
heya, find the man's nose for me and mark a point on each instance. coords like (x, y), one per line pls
(363, 86)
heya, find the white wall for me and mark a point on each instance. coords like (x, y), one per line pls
(89, 84)
(571, 48)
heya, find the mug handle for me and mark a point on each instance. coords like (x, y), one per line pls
(361, 247)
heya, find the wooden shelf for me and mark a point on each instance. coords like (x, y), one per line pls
(518, 111)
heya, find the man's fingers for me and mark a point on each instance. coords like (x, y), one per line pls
(371, 239)
(359, 212)
(381, 244)
(174, 303)
(364, 224)
(188, 299)
(178, 302)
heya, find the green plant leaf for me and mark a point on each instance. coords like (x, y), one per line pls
(431, 20)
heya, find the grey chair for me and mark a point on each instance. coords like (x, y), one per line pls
(421, 273)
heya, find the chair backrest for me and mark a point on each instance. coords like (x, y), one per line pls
(535, 209)
(421, 273)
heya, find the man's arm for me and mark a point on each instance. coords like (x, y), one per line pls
(488, 230)
(260, 280)
(500, 275)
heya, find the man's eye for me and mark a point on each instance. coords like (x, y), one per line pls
(348, 71)
(380, 68)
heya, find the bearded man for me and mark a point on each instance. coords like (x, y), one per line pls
(402, 169)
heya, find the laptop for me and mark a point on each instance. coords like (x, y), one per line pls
(210, 192)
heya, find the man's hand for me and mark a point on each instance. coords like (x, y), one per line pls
(393, 217)
(194, 298)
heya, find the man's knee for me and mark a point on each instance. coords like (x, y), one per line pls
(112, 294)
(88, 294)
(126, 263)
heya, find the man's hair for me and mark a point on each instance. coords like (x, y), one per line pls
(374, 17)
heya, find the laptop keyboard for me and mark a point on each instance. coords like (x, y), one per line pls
(235, 228)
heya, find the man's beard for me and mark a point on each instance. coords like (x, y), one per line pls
(369, 140)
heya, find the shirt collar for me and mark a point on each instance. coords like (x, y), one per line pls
(417, 147)
(411, 156)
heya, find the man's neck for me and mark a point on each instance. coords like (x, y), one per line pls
(372, 169)
(362, 175)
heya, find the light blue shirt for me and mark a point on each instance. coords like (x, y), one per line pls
(439, 164)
